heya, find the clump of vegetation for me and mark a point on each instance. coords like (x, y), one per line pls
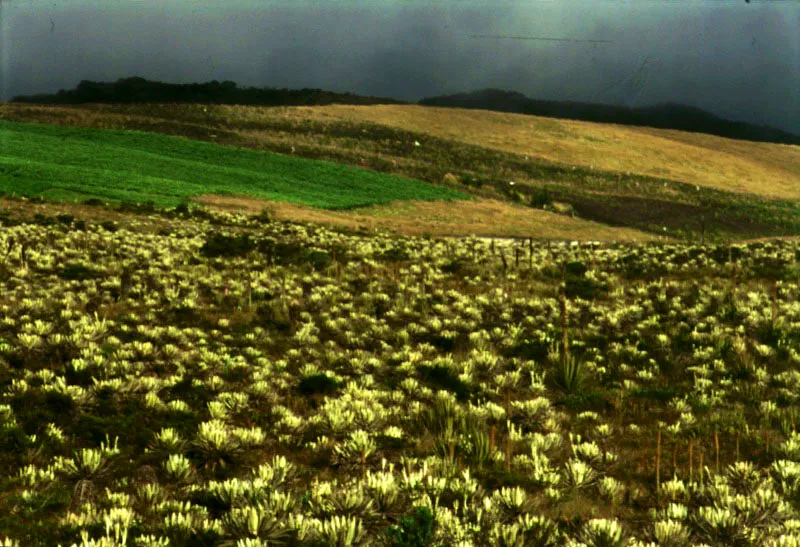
(540, 198)
(318, 384)
(110, 226)
(443, 378)
(413, 531)
(76, 271)
(222, 245)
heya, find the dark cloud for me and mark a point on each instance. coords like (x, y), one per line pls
(737, 60)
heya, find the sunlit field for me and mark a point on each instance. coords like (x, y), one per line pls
(764, 169)
(189, 378)
(74, 164)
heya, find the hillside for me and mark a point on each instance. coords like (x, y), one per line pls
(673, 183)
(763, 169)
(74, 165)
(78, 163)
(664, 116)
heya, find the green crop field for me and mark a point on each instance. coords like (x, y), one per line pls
(71, 164)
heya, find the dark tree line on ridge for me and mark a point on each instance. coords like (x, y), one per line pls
(665, 116)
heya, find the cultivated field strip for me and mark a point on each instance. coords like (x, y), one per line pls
(67, 163)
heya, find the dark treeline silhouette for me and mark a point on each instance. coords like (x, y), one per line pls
(664, 116)
(140, 90)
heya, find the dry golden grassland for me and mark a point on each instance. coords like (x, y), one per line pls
(481, 217)
(765, 169)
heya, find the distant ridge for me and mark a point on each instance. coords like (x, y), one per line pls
(663, 116)
(140, 90)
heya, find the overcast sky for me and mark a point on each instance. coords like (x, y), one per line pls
(738, 60)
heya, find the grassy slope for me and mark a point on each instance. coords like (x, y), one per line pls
(726, 164)
(168, 171)
(602, 170)
(68, 163)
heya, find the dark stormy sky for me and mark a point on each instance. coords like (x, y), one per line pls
(738, 60)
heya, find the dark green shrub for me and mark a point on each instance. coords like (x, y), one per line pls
(201, 213)
(414, 531)
(471, 180)
(461, 267)
(263, 217)
(444, 343)
(221, 245)
(317, 384)
(43, 220)
(655, 393)
(319, 260)
(773, 269)
(395, 254)
(77, 272)
(274, 316)
(575, 268)
(528, 349)
(720, 253)
(285, 252)
(130, 207)
(110, 225)
(540, 198)
(594, 400)
(582, 288)
(570, 375)
(441, 377)
(35, 409)
(181, 209)
(65, 219)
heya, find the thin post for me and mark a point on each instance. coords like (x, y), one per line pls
(701, 467)
(564, 334)
(675, 457)
(530, 253)
(737, 445)
(774, 301)
(658, 463)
